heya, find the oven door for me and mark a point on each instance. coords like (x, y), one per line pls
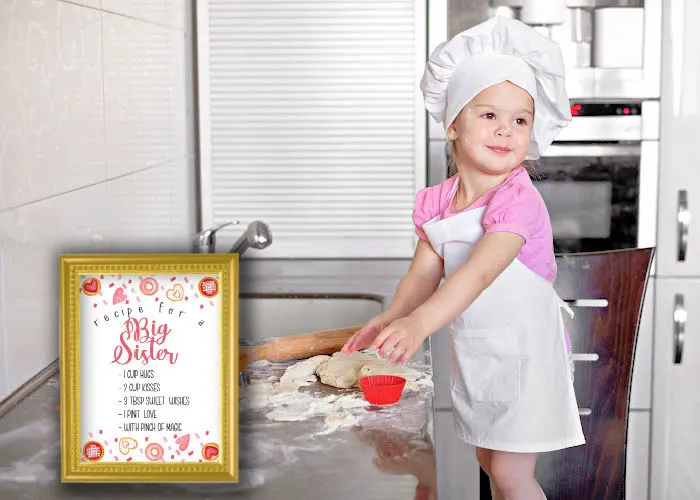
(599, 196)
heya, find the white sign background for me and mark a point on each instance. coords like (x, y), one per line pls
(117, 327)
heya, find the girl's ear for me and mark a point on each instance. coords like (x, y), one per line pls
(452, 132)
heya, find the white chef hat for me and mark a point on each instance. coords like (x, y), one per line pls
(492, 52)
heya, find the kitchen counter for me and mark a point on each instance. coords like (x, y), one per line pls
(387, 453)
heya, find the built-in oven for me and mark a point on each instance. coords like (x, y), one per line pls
(598, 180)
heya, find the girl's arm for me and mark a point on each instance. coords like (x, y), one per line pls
(419, 283)
(491, 255)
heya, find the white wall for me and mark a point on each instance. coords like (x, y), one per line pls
(96, 151)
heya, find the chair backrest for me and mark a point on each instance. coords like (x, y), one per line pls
(603, 337)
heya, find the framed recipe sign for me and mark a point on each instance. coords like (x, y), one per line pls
(149, 368)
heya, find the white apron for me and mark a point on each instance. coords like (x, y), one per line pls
(510, 382)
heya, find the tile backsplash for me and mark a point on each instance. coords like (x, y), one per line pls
(96, 151)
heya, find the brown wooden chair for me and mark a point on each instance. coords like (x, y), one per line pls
(596, 470)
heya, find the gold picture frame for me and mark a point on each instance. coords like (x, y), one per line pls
(155, 332)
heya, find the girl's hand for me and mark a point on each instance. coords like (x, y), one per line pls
(404, 336)
(364, 336)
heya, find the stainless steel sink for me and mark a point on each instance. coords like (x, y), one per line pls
(268, 316)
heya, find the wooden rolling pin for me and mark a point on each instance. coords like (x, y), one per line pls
(300, 346)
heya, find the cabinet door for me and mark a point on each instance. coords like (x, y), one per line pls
(457, 468)
(440, 352)
(679, 179)
(675, 458)
(638, 435)
(640, 398)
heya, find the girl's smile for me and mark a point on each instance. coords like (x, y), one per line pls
(501, 150)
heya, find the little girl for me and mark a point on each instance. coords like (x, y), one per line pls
(499, 91)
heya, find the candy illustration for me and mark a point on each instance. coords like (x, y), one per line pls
(91, 286)
(93, 451)
(210, 451)
(175, 293)
(148, 286)
(154, 452)
(208, 287)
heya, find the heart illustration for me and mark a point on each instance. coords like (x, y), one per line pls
(210, 451)
(91, 286)
(118, 296)
(183, 442)
(175, 293)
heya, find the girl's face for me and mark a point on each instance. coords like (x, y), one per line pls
(492, 132)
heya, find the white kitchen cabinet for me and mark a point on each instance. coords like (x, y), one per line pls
(637, 469)
(679, 175)
(675, 443)
(440, 352)
(457, 467)
(640, 398)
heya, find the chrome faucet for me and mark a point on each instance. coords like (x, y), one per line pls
(257, 235)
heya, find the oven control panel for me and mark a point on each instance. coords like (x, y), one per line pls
(605, 109)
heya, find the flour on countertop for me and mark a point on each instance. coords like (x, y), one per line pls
(280, 427)
(298, 406)
(340, 409)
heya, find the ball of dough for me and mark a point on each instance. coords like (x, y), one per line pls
(344, 370)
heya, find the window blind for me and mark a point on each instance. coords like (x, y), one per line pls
(311, 120)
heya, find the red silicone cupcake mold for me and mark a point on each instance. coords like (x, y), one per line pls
(382, 389)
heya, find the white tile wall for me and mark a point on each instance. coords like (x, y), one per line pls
(153, 210)
(173, 13)
(51, 114)
(89, 3)
(32, 238)
(144, 85)
(4, 371)
(96, 152)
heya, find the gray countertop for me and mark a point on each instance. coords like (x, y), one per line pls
(387, 454)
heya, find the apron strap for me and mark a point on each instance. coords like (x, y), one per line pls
(565, 306)
(562, 329)
(448, 203)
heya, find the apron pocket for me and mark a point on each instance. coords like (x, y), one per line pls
(487, 364)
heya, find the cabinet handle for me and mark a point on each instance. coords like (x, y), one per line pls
(680, 315)
(683, 218)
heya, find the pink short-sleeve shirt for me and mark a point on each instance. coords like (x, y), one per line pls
(514, 206)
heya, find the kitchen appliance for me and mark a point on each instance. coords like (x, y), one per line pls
(611, 48)
(619, 35)
(598, 179)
